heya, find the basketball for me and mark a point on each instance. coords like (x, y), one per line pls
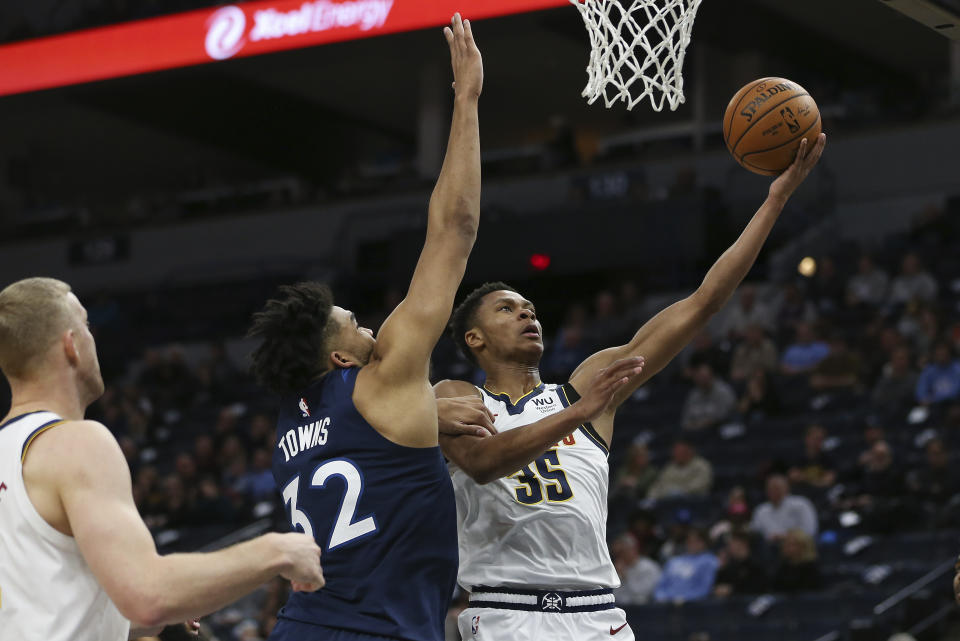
(765, 122)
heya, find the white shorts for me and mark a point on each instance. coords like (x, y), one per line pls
(493, 624)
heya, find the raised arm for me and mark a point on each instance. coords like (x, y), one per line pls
(489, 458)
(81, 464)
(407, 338)
(660, 339)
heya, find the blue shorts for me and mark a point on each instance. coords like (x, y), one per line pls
(290, 630)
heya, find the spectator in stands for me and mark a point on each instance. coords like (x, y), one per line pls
(709, 403)
(868, 287)
(881, 491)
(747, 312)
(935, 482)
(680, 525)
(783, 512)
(687, 474)
(894, 393)
(704, 350)
(755, 352)
(204, 456)
(814, 469)
(259, 484)
(827, 289)
(638, 574)
(262, 431)
(643, 528)
(736, 517)
(798, 570)
(688, 576)
(805, 353)
(759, 399)
(913, 283)
(873, 433)
(940, 380)
(636, 475)
(211, 506)
(794, 308)
(840, 370)
(569, 347)
(739, 572)
(606, 326)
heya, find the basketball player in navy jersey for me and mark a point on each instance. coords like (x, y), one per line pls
(532, 499)
(357, 458)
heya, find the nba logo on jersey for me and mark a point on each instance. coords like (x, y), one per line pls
(475, 624)
(304, 409)
(3, 487)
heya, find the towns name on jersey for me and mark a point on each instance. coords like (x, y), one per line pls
(303, 438)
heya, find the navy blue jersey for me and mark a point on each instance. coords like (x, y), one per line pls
(383, 514)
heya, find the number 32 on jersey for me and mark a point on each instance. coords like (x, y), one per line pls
(549, 480)
(345, 528)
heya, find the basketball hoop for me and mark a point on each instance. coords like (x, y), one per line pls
(637, 50)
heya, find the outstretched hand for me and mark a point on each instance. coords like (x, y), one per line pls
(465, 58)
(806, 160)
(465, 415)
(596, 399)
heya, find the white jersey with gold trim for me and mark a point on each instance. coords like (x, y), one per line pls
(47, 591)
(545, 525)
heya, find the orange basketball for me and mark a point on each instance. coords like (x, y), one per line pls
(766, 121)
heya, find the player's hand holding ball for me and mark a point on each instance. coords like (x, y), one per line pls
(465, 57)
(598, 396)
(807, 158)
(302, 562)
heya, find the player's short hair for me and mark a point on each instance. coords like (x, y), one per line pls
(33, 314)
(465, 315)
(294, 329)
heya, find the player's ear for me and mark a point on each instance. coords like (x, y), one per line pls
(68, 340)
(343, 360)
(474, 338)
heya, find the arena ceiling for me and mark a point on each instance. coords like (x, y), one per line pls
(308, 112)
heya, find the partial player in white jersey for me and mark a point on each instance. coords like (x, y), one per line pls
(76, 561)
(532, 499)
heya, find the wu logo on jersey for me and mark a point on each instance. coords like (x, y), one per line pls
(304, 408)
(543, 404)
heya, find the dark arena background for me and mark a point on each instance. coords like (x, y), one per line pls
(175, 193)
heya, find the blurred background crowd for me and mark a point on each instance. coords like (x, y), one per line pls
(816, 418)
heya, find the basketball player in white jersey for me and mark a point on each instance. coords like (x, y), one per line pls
(532, 499)
(77, 562)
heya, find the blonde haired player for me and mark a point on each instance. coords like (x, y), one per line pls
(532, 500)
(76, 561)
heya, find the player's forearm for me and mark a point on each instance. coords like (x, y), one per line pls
(185, 586)
(502, 454)
(735, 263)
(455, 202)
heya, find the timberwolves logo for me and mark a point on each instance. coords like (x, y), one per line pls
(304, 408)
(475, 624)
(551, 601)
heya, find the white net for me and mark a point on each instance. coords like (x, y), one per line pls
(637, 50)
